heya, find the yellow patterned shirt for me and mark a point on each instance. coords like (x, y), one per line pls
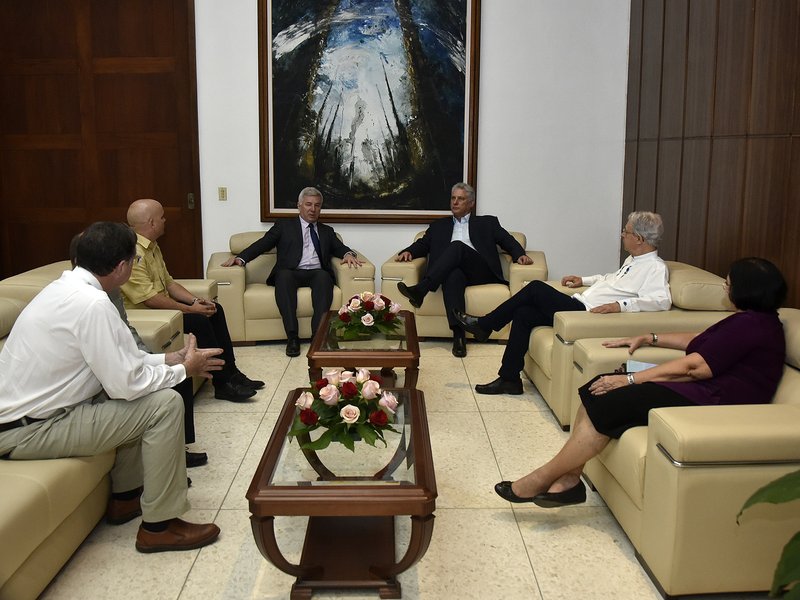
(149, 275)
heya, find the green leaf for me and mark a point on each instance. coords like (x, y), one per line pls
(367, 433)
(321, 443)
(299, 427)
(788, 570)
(783, 489)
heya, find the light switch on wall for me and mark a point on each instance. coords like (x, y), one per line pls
(223, 194)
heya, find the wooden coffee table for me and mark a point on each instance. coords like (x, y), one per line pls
(400, 350)
(352, 499)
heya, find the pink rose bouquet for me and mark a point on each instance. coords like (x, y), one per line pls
(364, 314)
(349, 405)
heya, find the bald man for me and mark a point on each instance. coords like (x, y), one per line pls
(151, 286)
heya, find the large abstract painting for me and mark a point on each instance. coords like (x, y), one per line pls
(374, 102)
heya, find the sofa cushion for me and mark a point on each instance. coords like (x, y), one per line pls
(37, 495)
(9, 311)
(625, 460)
(541, 349)
(693, 288)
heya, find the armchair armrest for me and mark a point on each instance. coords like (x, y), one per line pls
(202, 288)
(574, 325)
(230, 292)
(354, 280)
(393, 272)
(521, 275)
(726, 434)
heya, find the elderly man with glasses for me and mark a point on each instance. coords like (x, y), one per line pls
(640, 284)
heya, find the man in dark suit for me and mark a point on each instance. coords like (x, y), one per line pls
(461, 251)
(305, 247)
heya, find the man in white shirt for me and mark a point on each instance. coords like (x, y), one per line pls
(73, 383)
(641, 284)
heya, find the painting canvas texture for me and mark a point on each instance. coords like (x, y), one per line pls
(368, 102)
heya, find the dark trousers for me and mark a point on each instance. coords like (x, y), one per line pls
(184, 388)
(457, 267)
(534, 305)
(212, 332)
(287, 281)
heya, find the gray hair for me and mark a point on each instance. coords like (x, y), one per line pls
(648, 226)
(467, 188)
(308, 191)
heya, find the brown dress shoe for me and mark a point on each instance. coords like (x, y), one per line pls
(179, 535)
(122, 511)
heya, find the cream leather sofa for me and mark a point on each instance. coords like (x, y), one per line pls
(698, 300)
(677, 485)
(48, 507)
(249, 302)
(431, 317)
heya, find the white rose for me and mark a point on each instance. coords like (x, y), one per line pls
(394, 308)
(305, 400)
(345, 376)
(350, 414)
(379, 303)
(329, 395)
(362, 375)
(368, 320)
(366, 296)
(370, 389)
(354, 304)
(332, 375)
(388, 401)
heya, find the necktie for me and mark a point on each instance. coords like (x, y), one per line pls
(315, 241)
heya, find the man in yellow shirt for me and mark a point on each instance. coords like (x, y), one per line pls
(151, 286)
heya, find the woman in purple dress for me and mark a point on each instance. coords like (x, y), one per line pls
(738, 360)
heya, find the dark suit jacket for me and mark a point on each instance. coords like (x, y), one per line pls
(287, 236)
(485, 233)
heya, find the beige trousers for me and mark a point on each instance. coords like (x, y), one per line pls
(147, 434)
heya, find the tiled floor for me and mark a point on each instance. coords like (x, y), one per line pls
(482, 547)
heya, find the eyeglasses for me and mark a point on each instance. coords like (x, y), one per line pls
(625, 232)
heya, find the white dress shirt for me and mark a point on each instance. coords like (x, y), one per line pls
(69, 344)
(461, 231)
(641, 284)
(310, 260)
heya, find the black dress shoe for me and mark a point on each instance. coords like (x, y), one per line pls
(459, 346)
(500, 386)
(470, 324)
(415, 297)
(504, 490)
(293, 346)
(195, 459)
(233, 392)
(242, 379)
(574, 495)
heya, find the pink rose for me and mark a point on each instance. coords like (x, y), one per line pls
(394, 308)
(329, 395)
(354, 304)
(368, 320)
(349, 414)
(365, 296)
(305, 400)
(388, 401)
(345, 376)
(332, 376)
(343, 310)
(379, 303)
(370, 390)
(362, 375)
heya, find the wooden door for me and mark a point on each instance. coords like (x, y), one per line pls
(98, 108)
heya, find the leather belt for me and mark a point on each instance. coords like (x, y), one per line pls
(18, 423)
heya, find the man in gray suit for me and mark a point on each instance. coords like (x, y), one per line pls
(304, 250)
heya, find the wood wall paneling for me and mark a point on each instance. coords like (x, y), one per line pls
(734, 66)
(775, 36)
(718, 155)
(700, 66)
(673, 76)
(693, 220)
(670, 154)
(650, 91)
(634, 70)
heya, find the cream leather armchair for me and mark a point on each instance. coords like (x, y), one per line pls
(431, 317)
(677, 485)
(698, 300)
(250, 303)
